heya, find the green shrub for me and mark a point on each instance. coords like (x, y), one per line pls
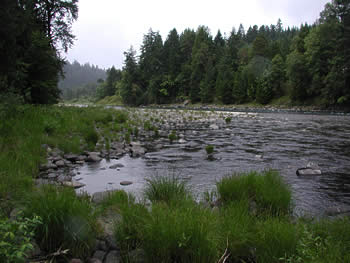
(16, 238)
(168, 189)
(182, 234)
(228, 120)
(68, 221)
(209, 149)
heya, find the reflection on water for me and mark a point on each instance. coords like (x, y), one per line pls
(250, 142)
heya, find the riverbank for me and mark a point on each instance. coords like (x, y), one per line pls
(46, 142)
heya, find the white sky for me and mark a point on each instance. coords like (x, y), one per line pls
(107, 28)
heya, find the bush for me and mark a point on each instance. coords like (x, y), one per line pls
(168, 189)
(16, 238)
(268, 190)
(228, 120)
(91, 137)
(68, 221)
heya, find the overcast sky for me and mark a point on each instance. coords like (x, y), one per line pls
(107, 28)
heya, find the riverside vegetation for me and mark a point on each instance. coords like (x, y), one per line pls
(246, 219)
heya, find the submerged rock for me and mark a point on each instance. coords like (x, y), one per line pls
(115, 166)
(125, 183)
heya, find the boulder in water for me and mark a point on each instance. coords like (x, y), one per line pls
(308, 171)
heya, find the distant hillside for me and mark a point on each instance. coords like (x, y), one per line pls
(80, 80)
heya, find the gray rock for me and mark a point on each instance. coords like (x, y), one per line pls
(115, 166)
(64, 178)
(308, 171)
(214, 127)
(101, 245)
(94, 260)
(186, 102)
(48, 166)
(113, 257)
(81, 158)
(71, 157)
(60, 163)
(76, 260)
(136, 150)
(93, 157)
(125, 183)
(100, 255)
(73, 184)
(52, 175)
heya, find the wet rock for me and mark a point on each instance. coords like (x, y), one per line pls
(115, 166)
(99, 255)
(93, 157)
(136, 150)
(113, 257)
(308, 171)
(137, 256)
(214, 127)
(81, 158)
(337, 210)
(73, 184)
(182, 141)
(71, 157)
(48, 166)
(101, 245)
(60, 163)
(64, 178)
(125, 183)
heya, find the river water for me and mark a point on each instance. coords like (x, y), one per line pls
(251, 141)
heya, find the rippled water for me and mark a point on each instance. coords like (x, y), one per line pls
(254, 141)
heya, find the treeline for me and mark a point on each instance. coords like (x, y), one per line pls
(33, 34)
(80, 80)
(309, 64)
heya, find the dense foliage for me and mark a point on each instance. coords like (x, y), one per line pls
(33, 35)
(307, 64)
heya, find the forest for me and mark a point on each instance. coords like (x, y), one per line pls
(308, 65)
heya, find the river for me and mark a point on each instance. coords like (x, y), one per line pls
(251, 141)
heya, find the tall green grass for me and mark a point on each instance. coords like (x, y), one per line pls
(168, 189)
(267, 189)
(68, 222)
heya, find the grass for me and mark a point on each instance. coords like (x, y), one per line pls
(68, 222)
(167, 189)
(209, 149)
(268, 190)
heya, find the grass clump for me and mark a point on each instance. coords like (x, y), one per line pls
(180, 234)
(166, 189)
(267, 189)
(228, 120)
(276, 238)
(68, 222)
(209, 149)
(172, 136)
